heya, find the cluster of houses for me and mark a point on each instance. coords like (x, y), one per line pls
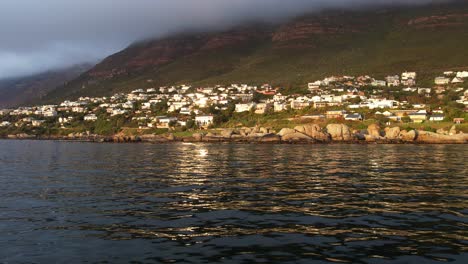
(186, 103)
(451, 77)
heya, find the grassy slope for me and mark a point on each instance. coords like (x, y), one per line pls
(389, 46)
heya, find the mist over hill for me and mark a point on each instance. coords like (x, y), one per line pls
(380, 41)
(29, 89)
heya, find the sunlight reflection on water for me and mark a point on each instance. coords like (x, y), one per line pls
(203, 203)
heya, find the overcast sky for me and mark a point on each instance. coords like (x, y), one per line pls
(38, 35)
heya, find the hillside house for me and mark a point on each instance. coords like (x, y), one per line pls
(378, 83)
(335, 114)
(462, 74)
(457, 80)
(441, 80)
(393, 81)
(204, 121)
(78, 109)
(5, 124)
(262, 108)
(418, 117)
(164, 121)
(240, 108)
(408, 78)
(297, 105)
(279, 107)
(37, 123)
(90, 117)
(437, 117)
(353, 117)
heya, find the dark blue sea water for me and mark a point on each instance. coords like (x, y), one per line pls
(64, 202)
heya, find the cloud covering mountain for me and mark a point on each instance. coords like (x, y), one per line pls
(50, 34)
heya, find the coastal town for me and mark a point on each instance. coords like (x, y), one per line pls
(395, 99)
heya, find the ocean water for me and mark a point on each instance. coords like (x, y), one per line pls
(70, 202)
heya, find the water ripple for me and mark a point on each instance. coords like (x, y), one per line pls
(204, 203)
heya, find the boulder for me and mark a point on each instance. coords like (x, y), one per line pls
(227, 133)
(257, 135)
(296, 136)
(255, 129)
(374, 130)
(197, 136)
(360, 136)
(270, 138)
(442, 131)
(453, 130)
(408, 136)
(148, 137)
(339, 132)
(314, 131)
(286, 131)
(392, 133)
(434, 138)
(170, 137)
(245, 131)
(264, 130)
(370, 138)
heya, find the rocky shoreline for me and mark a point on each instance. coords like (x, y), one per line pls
(304, 134)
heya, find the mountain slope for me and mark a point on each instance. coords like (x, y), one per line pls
(25, 90)
(426, 40)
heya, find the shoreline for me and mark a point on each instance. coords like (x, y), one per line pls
(307, 134)
(161, 141)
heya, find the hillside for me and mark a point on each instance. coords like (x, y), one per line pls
(25, 90)
(428, 40)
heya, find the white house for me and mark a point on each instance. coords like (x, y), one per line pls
(205, 120)
(37, 123)
(295, 104)
(393, 80)
(378, 83)
(63, 120)
(279, 107)
(437, 117)
(353, 117)
(462, 74)
(262, 108)
(408, 78)
(164, 121)
(78, 109)
(5, 124)
(457, 80)
(424, 90)
(244, 107)
(50, 113)
(442, 80)
(90, 117)
(118, 112)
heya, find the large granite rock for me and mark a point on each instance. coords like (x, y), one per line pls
(373, 130)
(270, 138)
(339, 132)
(392, 133)
(227, 133)
(434, 138)
(442, 131)
(408, 136)
(197, 136)
(286, 131)
(314, 131)
(296, 136)
(171, 137)
(453, 130)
